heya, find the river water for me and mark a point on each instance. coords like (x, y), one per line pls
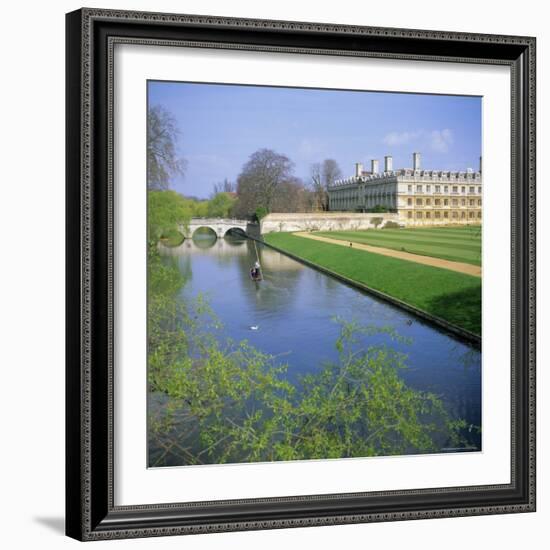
(291, 315)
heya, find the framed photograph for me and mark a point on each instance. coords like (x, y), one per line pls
(300, 274)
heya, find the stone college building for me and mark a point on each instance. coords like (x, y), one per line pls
(420, 197)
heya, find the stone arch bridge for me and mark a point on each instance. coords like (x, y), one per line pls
(220, 226)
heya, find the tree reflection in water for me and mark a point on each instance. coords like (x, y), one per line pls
(297, 387)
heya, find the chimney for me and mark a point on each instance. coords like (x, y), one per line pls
(480, 164)
(358, 169)
(374, 166)
(416, 161)
(388, 163)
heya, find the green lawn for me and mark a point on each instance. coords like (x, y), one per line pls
(447, 294)
(459, 244)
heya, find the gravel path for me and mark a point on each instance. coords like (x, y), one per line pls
(461, 267)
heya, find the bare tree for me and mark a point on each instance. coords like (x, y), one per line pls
(260, 180)
(292, 196)
(331, 172)
(224, 186)
(162, 158)
(317, 186)
(323, 175)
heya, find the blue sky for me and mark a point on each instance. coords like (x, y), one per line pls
(222, 125)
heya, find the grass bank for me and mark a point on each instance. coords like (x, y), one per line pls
(451, 296)
(458, 244)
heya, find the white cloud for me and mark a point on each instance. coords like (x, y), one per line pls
(401, 138)
(441, 140)
(436, 140)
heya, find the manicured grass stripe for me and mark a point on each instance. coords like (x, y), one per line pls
(469, 233)
(432, 235)
(458, 249)
(459, 252)
(456, 228)
(437, 233)
(449, 295)
(374, 235)
(433, 252)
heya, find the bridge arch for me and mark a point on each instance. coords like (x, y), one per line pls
(236, 231)
(219, 226)
(204, 229)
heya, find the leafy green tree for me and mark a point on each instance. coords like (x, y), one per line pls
(166, 211)
(228, 402)
(220, 205)
(261, 212)
(200, 209)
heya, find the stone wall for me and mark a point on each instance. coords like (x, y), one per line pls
(325, 221)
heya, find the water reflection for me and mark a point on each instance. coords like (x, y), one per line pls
(294, 308)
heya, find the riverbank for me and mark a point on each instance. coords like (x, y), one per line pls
(277, 350)
(450, 299)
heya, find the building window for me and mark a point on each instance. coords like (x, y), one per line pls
(419, 188)
(438, 188)
(455, 188)
(409, 202)
(428, 215)
(463, 189)
(455, 214)
(419, 214)
(437, 214)
(479, 202)
(446, 189)
(445, 214)
(446, 202)
(428, 188)
(463, 202)
(428, 202)
(437, 202)
(472, 214)
(463, 215)
(410, 188)
(472, 202)
(419, 202)
(455, 202)
(479, 214)
(409, 214)
(479, 189)
(472, 188)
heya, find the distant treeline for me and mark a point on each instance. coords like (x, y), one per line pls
(266, 183)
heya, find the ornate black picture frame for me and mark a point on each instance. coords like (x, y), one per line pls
(90, 510)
